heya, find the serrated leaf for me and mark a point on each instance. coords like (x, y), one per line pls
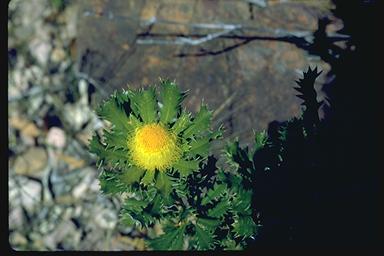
(260, 140)
(134, 205)
(242, 202)
(203, 238)
(209, 225)
(186, 167)
(115, 139)
(171, 99)
(164, 183)
(128, 220)
(113, 112)
(109, 182)
(173, 239)
(214, 193)
(200, 124)
(131, 175)
(115, 157)
(244, 226)
(181, 123)
(146, 101)
(219, 210)
(148, 177)
(158, 203)
(199, 147)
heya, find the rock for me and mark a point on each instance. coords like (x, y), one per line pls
(64, 230)
(56, 137)
(40, 50)
(16, 218)
(17, 239)
(30, 194)
(76, 115)
(106, 219)
(58, 55)
(32, 163)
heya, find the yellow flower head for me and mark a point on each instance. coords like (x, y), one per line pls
(154, 147)
(152, 139)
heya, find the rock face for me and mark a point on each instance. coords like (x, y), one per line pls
(251, 83)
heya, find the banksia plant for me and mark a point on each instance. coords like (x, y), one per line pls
(156, 157)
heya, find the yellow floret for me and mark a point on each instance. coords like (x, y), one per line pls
(154, 147)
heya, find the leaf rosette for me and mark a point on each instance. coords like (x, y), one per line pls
(152, 139)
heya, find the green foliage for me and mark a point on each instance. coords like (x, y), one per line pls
(172, 239)
(198, 205)
(171, 98)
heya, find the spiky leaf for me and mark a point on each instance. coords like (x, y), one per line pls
(147, 105)
(203, 238)
(199, 147)
(186, 167)
(173, 239)
(219, 210)
(114, 113)
(214, 193)
(131, 175)
(164, 183)
(148, 177)
(171, 98)
(200, 123)
(182, 122)
(244, 226)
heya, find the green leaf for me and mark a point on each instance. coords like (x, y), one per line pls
(134, 205)
(182, 122)
(200, 124)
(147, 105)
(114, 113)
(214, 193)
(203, 238)
(242, 202)
(199, 147)
(171, 99)
(173, 239)
(128, 220)
(186, 167)
(244, 226)
(209, 225)
(164, 183)
(158, 203)
(219, 210)
(260, 140)
(148, 177)
(109, 182)
(115, 157)
(115, 139)
(131, 175)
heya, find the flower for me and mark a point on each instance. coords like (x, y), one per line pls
(153, 146)
(152, 139)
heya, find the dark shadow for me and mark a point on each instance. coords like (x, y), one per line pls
(322, 183)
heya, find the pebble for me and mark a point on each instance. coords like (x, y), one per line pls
(106, 219)
(32, 163)
(30, 194)
(56, 137)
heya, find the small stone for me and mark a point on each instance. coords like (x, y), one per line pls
(33, 162)
(57, 55)
(56, 137)
(106, 219)
(40, 50)
(30, 194)
(77, 115)
(16, 218)
(17, 239)
(79, 190)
